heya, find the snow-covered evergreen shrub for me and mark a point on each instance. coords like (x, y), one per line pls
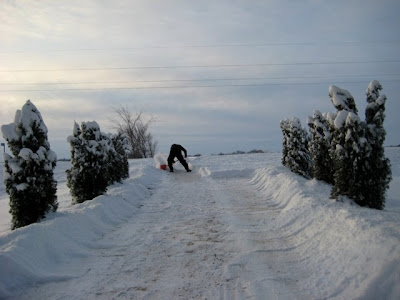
(342, 141)
(88, 176)
(285, 141)
(28, 174)
(322, 166)
(297, 156)
(76, 145)
(356, 164)
(110, 157)
(122, 149)
(118, 166)
(378, 175)
(351, 152)
(357, 150)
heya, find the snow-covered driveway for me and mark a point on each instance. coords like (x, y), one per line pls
(237, 227)
(194, 238)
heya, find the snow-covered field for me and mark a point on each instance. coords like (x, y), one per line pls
(236, 227)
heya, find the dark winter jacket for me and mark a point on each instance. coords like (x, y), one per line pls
(176, 150)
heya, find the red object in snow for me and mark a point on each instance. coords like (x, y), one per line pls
(163, 167)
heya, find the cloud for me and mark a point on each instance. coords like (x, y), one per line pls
(108, 36)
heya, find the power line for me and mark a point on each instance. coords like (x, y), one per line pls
(203, 66)
(184, 87)
(201, 79)
(271, 44)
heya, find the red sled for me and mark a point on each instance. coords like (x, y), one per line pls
(163, 167)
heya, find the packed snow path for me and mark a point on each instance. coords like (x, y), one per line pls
(194, 238)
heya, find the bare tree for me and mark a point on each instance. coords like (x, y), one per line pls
(137, 130)
(151, 145)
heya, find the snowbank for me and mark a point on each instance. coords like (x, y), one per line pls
(355, 248)
(40, 252)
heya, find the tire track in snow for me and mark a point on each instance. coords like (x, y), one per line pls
(257, 271)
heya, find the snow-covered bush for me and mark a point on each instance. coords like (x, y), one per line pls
(350, 154)
(120, 165)
(285, 141)
(118, 150)
(88, 176)
(361, 170)
(345, 138)
(379, 171)
(28, 174)
(296, 155)
(98, 160)
(345, 151)
(110, 157)
(319, 145)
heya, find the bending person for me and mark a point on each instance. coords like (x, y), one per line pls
(176, 151)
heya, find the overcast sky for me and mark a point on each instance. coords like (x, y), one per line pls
(217, 76)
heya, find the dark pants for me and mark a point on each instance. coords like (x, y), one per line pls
(179, 156)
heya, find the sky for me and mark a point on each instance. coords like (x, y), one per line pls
(215, 76)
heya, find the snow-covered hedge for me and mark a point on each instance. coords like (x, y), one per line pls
(344, 150)
(296, 153)
(97, 159)
(319, 147)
